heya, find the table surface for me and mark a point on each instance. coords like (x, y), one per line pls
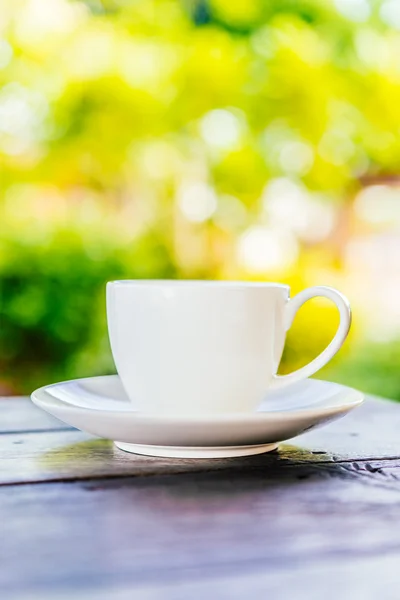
(80, 518)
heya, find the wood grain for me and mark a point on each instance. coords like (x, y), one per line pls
(316, 519)
(20, 414)
(73, 455)
(361, 578)
(369, 431)
(193, 526)
(55, 455)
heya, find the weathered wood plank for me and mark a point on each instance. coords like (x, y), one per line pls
(358, 579)
(20, 414)
(159, 531)
(358, 435)
(73, 455)
(366, 578)
(323, 508)
(369, 433)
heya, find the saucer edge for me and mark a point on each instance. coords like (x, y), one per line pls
(195, 451)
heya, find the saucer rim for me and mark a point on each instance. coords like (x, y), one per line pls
(42, 396)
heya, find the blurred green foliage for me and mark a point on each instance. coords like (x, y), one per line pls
(370, 367)
(155, 139)
(52, 311)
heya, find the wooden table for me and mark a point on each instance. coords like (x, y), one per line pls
(320, 519)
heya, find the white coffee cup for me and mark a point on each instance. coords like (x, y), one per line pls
(202, 347)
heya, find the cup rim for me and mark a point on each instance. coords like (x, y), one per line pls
(188, 283)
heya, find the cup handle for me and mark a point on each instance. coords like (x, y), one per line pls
(291, 309)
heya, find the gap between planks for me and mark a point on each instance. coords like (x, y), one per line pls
(358, 473)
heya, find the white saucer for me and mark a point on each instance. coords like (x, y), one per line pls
(99, 405)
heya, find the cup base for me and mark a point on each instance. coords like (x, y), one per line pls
(195, 451)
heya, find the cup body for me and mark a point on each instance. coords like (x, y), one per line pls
(196, 347)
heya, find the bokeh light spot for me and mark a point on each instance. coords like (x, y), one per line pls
(220, 128)
(354, 10)
(262, 249)
(197, 201)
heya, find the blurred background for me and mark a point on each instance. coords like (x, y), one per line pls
(219, 139)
